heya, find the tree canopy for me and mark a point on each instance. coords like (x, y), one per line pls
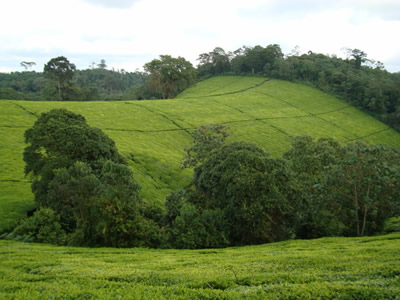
(61, 71)
(169, 76)
(80, 175)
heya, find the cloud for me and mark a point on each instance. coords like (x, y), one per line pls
(112, 3)
(140, 30)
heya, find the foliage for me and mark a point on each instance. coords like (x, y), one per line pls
(86, 85)
(214, 62)
(168, 75)
(79, 173)
(345, 189)
(308, 161)
(366, 181)
(206, 138)
(61, 71)
(392, 225)
(240, 196)
(42, 227)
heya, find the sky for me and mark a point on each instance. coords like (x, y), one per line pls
(129, 33)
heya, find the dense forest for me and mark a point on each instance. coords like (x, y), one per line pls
(357, 79)
(95, 83)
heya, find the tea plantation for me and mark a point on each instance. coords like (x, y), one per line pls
(153, 134)
(328, 268)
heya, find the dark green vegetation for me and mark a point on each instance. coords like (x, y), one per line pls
(328, 268)
(95, 83)
(84, 189)
(169, 76)
(240, 195)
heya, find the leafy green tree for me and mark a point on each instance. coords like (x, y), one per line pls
(308, 161)
(80, 175)
(366, 181)
(42, 227)
(61, 71)
(358, 56)
(98, 209)
(168, 76)
(239, 195)
(206, 138)
(214, 62)
(58, 139)
(343, 189)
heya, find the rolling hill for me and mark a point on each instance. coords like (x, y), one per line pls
(153, 134)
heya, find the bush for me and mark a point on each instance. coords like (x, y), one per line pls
(42, 227)
(392, 225)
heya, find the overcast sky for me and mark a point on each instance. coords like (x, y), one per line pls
(129, 33)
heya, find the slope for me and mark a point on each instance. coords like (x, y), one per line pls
(153, 134)
(328, 268)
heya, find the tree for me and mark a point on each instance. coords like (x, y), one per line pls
(214, 62)
(27, 65)
(308, 161)
(358, 56)
(61, 71)
(169, 76)
(79, 174)
(102, 64)
(58, 139)
(239, 195)
(206, 138)
(366, 181)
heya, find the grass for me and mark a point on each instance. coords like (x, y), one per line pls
(340, 268)
(153, 134)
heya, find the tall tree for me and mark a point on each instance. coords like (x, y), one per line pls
(27, 64)
(168, 75)
(366, 181)
(206, 138)
(80, 175)
(61, 71)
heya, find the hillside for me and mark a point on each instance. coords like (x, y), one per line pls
(328, 268)
(153, 134)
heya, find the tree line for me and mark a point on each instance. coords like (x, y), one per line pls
(85, 193)
(357, 79)
(61, 81)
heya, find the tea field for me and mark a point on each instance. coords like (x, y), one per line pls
(328, 268)
(152, 134)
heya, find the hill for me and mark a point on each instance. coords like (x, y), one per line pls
(328, 268)
(153, 134)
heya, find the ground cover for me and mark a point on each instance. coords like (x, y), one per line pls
(328, 268)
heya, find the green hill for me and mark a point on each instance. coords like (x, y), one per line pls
(153, 134)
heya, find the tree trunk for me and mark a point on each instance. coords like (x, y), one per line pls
(364, 220)
(59, 90)
(356, 204)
